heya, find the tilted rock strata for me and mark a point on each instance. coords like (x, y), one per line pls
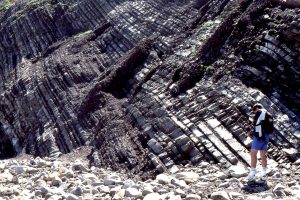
(142, 82)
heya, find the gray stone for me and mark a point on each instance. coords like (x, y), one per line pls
(155, 146)
(71, 197)
(77, 191)
(112, 180)
(78, 166)
(56, 181)
(20, 170)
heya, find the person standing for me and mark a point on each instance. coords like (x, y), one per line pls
(260, 141)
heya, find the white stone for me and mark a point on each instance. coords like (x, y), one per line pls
(170, 196)
(119, 194)
(90, 176)
(6, 176)
(104, 189)
(174, 169)
(220, 195)
(188, 177)
(180, 192)
(180, 183)
(147, 190)
(152, 196)
(192, 197)
(220, 175)
(132, 192)
(163, 179)
(237, 171)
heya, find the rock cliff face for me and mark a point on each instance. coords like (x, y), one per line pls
(148, 84)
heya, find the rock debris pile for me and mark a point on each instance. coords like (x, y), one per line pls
(148, 85)
(52, 179)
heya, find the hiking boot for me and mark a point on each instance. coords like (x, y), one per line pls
(251, 176)
(263, 174)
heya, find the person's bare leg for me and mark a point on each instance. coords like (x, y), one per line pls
(263, 156)
(252, 172)
(253, 158)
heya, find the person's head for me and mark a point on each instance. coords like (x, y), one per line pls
(256, 107)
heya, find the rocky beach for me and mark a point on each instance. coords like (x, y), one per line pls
(70, 177)
(136, 99)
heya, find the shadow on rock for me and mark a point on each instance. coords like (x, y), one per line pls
(256, 187)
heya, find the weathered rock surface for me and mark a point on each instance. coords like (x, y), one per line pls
(147, 84)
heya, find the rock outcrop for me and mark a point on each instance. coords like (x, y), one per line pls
(148, 84)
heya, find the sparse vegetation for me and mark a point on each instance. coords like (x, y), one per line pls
(82, 34)
(6, 4)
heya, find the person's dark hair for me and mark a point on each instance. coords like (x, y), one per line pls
(257, 105)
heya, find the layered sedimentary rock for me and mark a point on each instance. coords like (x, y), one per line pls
(148, 84)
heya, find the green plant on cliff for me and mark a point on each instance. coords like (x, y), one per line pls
(6, 4)
(82, 34)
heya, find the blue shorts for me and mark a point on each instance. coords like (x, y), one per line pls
(258, 144)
